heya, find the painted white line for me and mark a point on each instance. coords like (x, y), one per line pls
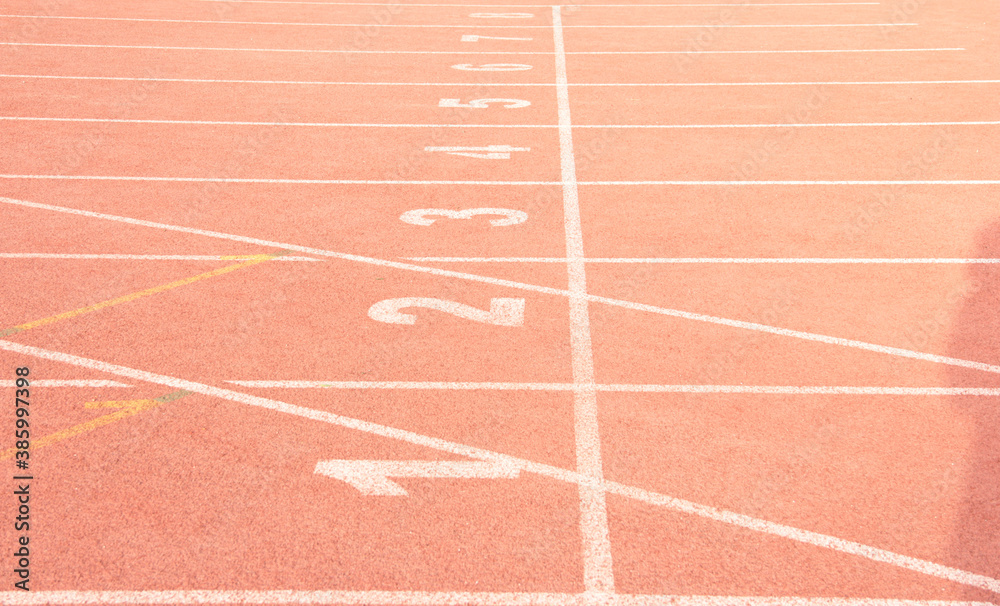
(372, 478)
(598, 573)
(431, 182)
(491, 84)
(266, 384)
(639, 388)
(68, 383)
(769, 52)
(743, 4)
(283, 82)
(851, 182)
(752, 326)
(465, 52)
(442, 26)
(681, 260)
(282, 50)
(800, 83)
(274, 181)
(558, 473)
(431, 598)
(427, 598)
(425, 125)
(115, 257)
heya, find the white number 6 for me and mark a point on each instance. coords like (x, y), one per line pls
(420, 216)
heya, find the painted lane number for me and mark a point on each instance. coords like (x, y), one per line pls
(421, 215)
(502, 312)
(484, 103)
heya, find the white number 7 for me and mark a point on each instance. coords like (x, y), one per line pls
(484, 103)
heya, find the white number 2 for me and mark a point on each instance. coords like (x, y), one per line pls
(420, 216)
(484, 103)
(503, 312)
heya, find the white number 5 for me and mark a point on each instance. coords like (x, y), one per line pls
(503, 312)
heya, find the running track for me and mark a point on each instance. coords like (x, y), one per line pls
(441, 303)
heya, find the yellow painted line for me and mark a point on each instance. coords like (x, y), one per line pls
(128, 408)
(251, 260)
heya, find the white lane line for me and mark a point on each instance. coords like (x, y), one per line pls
(430, 598)
(266, 384)
(794, 83)
(114, 257)
(681, 260)
(769, 52)
(440, 26)
(466, 52)
(293, 50)
(283, 82)
(431, 182)
(67, 383)
(274, 181)
(638, 388)
(743, 4)
(753, 326)
(426, 125)
(851, 182)
(558, 473)
(598, 574)
(489, 84)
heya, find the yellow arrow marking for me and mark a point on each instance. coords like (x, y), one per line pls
(252, 260)
(127, 409)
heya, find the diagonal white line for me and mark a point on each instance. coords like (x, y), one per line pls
(743, 4)
(67, 383)
(430, 125)
(115, 257)
(598, 573)
(710, 260)
(467, 52)
(431, 598)
(621, 387)
(366, 25)
(436, 182)
(493, 84)
(808, 336)
(558, 473)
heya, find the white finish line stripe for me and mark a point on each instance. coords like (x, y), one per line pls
(425, 125)
(466, 52)
(682, 260)
(490, 84)
(598, 573)
(753, 326)
(115, 257)
(705, 511)
(67, 383)
(480, 26)
(638, 388)
(431, 598)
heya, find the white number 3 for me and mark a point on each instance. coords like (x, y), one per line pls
(421, 215)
